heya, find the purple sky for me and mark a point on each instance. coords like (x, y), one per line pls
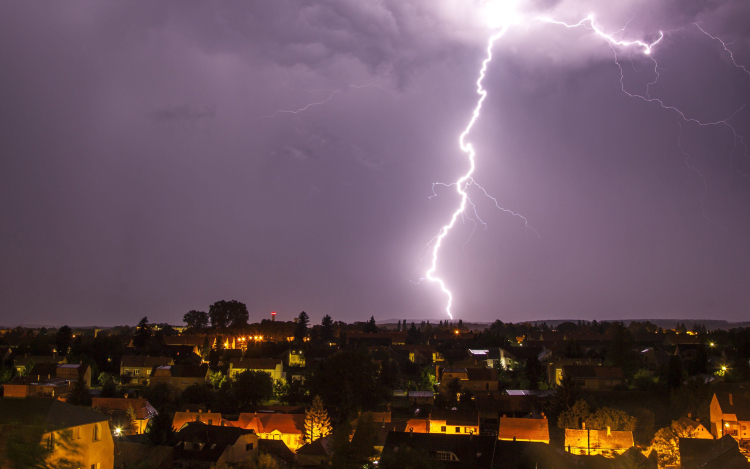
(141, 175)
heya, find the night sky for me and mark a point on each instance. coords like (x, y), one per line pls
(141, 174)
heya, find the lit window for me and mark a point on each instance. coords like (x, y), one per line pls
(137, 372)
(95, 465)
(458, 429)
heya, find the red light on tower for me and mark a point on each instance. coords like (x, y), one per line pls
(273, 315)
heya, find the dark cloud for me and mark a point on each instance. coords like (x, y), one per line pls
(140, 173)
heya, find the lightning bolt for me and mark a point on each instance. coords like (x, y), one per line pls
(466, 180)
(330, 97)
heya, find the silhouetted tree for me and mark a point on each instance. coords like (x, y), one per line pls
(370, 326)
(674, 373)
(196, 320)
(80, 394)
(159, 430)
(142, 334)
(250, 388)
(300, 330)
(63, 340)
(326, 330)
(225, 314)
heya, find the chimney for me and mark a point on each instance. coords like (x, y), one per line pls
(126, 395)
(730, 399)
(609, 431)
(690, 415)
(583, 425)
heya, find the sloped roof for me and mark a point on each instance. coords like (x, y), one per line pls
(465, 418)
(724, 453)
(182, 418)
(49, 413)
(319, 447)
(599, 439)
(416, 426)
(599, 372)
(145, 361)
(181, 371)
(268, 422)
(523, 429)
(192, 340)
(25, 360)
(482, 374)
(254, 363)
(740, 403)
(141, 406)
(215, 439)
(145, 456)
(44, 370)
(276, 448)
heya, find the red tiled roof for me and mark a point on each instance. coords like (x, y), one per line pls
(267, 422)
(523, 429)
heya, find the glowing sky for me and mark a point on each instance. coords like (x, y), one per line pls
(141, 175)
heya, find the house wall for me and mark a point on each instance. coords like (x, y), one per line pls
(238, 452)
(440, 426)
(77, 445)
(292, 440)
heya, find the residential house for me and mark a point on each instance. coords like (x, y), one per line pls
(296, 358)
(724, 453)
(142, 456)
(555, 367)
(730, 413)
(181, 419)
(73, 435)
(421, 397)
(272, 366)
(72, 372)
(418, 353)
(476, 380)
(138, 367)
(454, 421)
(699, 431)
(201, 446)
(289, 428)
(592, 442)
(117, 408)
(595, 378)
(20, 363)
(48, 380)
(521, 429)
(493, 357)
(179, 377)
(317, 453)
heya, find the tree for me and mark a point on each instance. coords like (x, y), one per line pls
(159, 430)
(142, 334)
(667, 442)
(300, 330)
(63, 340)
(317, 423)
(250, 388)
(196, 320)
(674, 372)
(412, 335)
(326, 330)
(370, 326)
(573, 417)
(359, 451)
(24, 447)
(80, 395)
(347, 379)
(132, 421)
(454, 389)
(225, 314)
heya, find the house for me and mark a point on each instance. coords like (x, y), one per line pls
(48, 380)
(555, 367)
(117, 408)
(730, 414)
(494, 357)
(201, 446)
(138, 367)
(20, 363)
(421, 397)
(454, 421)
(288, 428)
(179, 377)
(142, 456)
(418, 353)
(469, 452)
(595, 378)
(317, 453)
(73, 372)
(272, 366)
(296, 358)
(723, 453)
(520, 429)
(592, 442)
(181, 419)
(476, 380)
(74, 436)
(699, 431)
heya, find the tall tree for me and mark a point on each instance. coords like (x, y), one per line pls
(370, 326)
(159, 430)
(326, 330)
(80, 394)
(300, 330)
(63, 340)
(317, 423)
(225, 314)
(250, 388)
(142, 334)
(196, 320)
